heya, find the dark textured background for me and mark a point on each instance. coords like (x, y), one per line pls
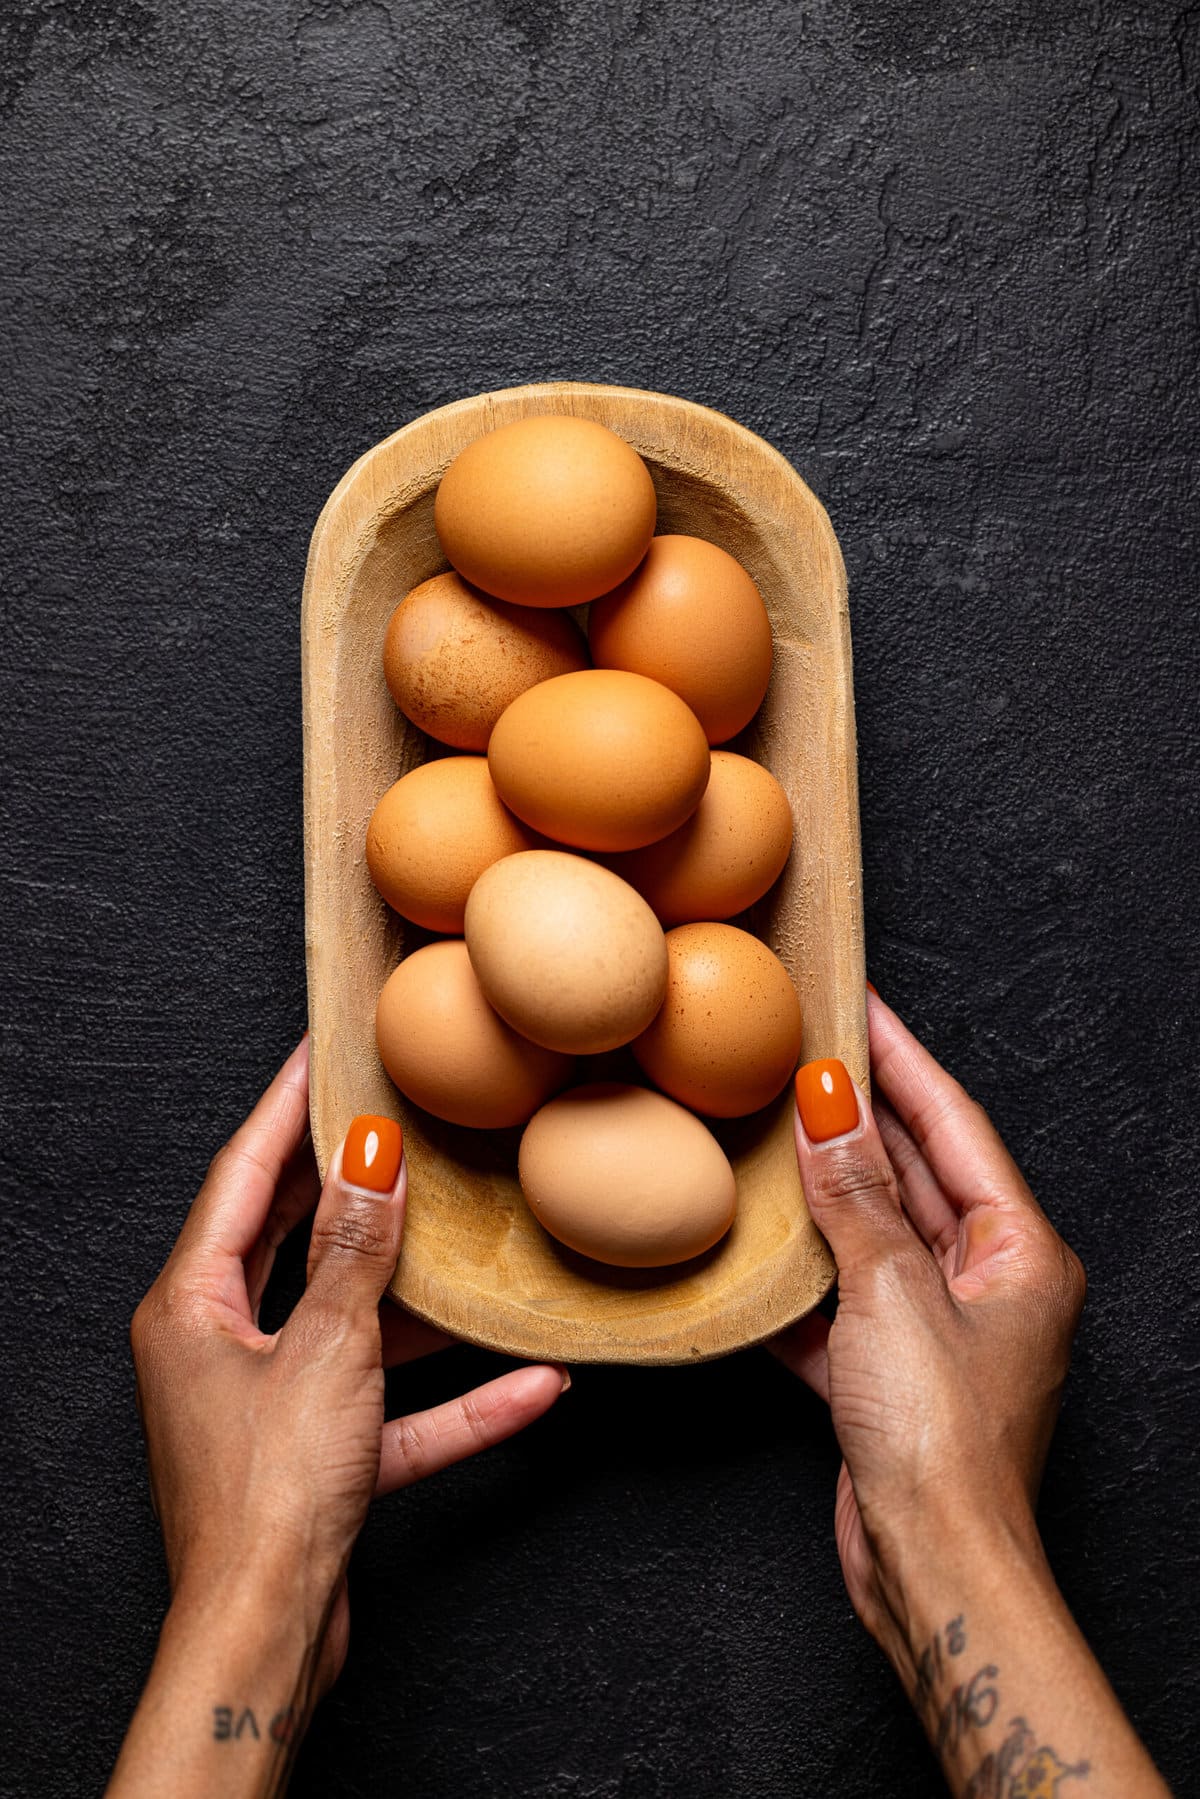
(943, 257)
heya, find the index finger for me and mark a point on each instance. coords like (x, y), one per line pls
(230, 1210)
(955, 1136)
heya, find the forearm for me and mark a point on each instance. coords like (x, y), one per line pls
(228, 1698)
(1012, 1699)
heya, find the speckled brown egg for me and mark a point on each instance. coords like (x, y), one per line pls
(602, 760)
(726, 856)
(546, 511)
(454, 658)
(432, 835)
(450, 1053)
(727, 1037)
(690, 617)
(567, 952)
(627, 1177)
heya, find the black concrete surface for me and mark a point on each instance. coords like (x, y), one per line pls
(944, 257)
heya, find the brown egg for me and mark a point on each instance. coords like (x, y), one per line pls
(447, 1050)
(432, 835)
(728, 853)
(601, 760)
(690, 617)
(454, 658)
(569, 954)
(547, 511)
(626, 1176)
(728, 1036)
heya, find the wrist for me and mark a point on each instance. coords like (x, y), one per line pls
(231, 1688)
(250, 1629)
(947, 1564)
(229, 1589)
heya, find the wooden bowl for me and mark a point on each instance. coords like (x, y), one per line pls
(474, 1261)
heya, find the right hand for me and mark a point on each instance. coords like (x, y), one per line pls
(957, 1305)
(266, 1450)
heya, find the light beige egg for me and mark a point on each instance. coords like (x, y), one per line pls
(432, 835)
(727, 854)
(601, 759)
(450, 1053)
(626, 1176)
(727, 1037)
(566, 951)
(455, 658)
(546, 511)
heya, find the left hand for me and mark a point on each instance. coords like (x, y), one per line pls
(265, 1451)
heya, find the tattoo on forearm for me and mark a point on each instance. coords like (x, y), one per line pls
(949, 1641)
(971, 1706)
(1020, 1767)
(231, 1725)
(1020, 1770)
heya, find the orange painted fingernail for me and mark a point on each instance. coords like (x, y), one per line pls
(872, 988)
(827, 1100)
(371, 1153)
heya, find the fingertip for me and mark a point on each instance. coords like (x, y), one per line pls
(827, 1101)
(541, 1383)
(526, 1394)
(359, 1222)
(372, 1153)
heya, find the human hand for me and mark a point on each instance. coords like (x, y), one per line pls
(957, 1305)
(266, 1450)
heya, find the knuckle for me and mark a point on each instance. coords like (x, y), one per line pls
(220, 1163)
(1074, 1279)
(168, 1310)
(848, 1174)
(237, 1160)
(361, 1227)
(472, 1415)
(1062, 1272)
(412, 1447)
(141, 1328)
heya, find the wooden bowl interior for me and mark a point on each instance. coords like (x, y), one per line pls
(474, 1260)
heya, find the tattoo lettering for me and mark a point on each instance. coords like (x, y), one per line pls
(1019, 1768)
(990, 1779)
(229, 1727)
(951, 1640)
(1016, 1770)
(971, 1706)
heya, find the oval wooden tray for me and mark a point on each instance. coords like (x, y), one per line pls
(474, 1261)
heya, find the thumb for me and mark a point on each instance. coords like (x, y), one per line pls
(360, 1216)
(849, 1182)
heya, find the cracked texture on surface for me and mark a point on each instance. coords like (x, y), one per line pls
(947, 264)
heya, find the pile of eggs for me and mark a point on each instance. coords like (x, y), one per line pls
(580, 854)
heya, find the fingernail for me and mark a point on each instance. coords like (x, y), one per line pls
(827, 1100)
(371, 1153)
(872, 988)
(566, 1379)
